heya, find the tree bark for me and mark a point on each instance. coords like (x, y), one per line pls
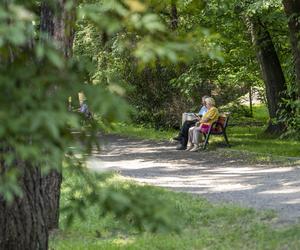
(174, 16)
(58, 24)
(250, 101)
(23, 222)
(51, 183)
(292, 10)
(271, 69)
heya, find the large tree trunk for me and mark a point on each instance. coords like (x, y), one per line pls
(51, 183)
(58, 24)
(271, 69)
(292, 9)
(23, 223)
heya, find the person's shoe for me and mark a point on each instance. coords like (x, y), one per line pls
(195, 148)
(181, 147)
(177, 138)
(189, 147)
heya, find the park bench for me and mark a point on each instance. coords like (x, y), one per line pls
(218, 128)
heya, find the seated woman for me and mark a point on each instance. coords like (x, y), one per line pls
(207, 120)
(184, 132)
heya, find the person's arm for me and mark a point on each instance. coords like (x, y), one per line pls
(203, 120)
(208, 116)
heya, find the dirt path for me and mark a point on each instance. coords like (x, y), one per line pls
(205, 174)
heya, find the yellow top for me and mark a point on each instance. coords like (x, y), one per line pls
(211, 116)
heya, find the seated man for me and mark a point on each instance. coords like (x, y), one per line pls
(184, 132)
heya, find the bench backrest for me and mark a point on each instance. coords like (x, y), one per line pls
(221, 123)
(223, 119)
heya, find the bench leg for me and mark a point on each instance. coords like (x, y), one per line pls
(206, 140)
(226, 139)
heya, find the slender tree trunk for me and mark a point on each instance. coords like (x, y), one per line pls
(250, 101)
(174, 16)
(271, 69)
(292, 9)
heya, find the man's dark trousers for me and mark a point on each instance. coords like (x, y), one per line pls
(184, 132)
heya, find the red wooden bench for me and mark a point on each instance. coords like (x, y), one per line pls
(218, 128)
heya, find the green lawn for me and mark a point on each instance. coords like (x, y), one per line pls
(203, 226)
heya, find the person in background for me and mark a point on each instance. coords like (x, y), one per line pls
(183, 134)
(212, 115)
(84, 109)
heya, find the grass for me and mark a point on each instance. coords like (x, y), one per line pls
(251, 139)
(142, 132)
(244, 138)
(203, 226)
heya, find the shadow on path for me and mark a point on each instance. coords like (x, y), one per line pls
(204, 173)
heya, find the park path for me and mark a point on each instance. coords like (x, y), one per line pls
(207, 174)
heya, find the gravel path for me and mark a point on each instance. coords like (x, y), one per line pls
(207, 174)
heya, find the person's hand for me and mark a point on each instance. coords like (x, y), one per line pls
(197, 116)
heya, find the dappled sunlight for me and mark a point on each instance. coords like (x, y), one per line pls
(285, 191)
(293, 202)
(220, 179)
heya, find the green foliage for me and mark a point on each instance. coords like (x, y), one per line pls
(138, 206)
(41, 128)
(204, 226)
(36, 82)
(150, 90)
(289, 114)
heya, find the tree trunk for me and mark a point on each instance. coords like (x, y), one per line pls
(26, 220)
(271, 69)
(23, 222)
(292, 9)
(251, 101)
(174, 16)
(51, 183)
(58, 24)
(64, 27)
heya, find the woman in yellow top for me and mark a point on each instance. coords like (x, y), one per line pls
(206, 121)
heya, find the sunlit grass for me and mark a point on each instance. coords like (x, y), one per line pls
(139, 131)
(251, 139)
(203, 226)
